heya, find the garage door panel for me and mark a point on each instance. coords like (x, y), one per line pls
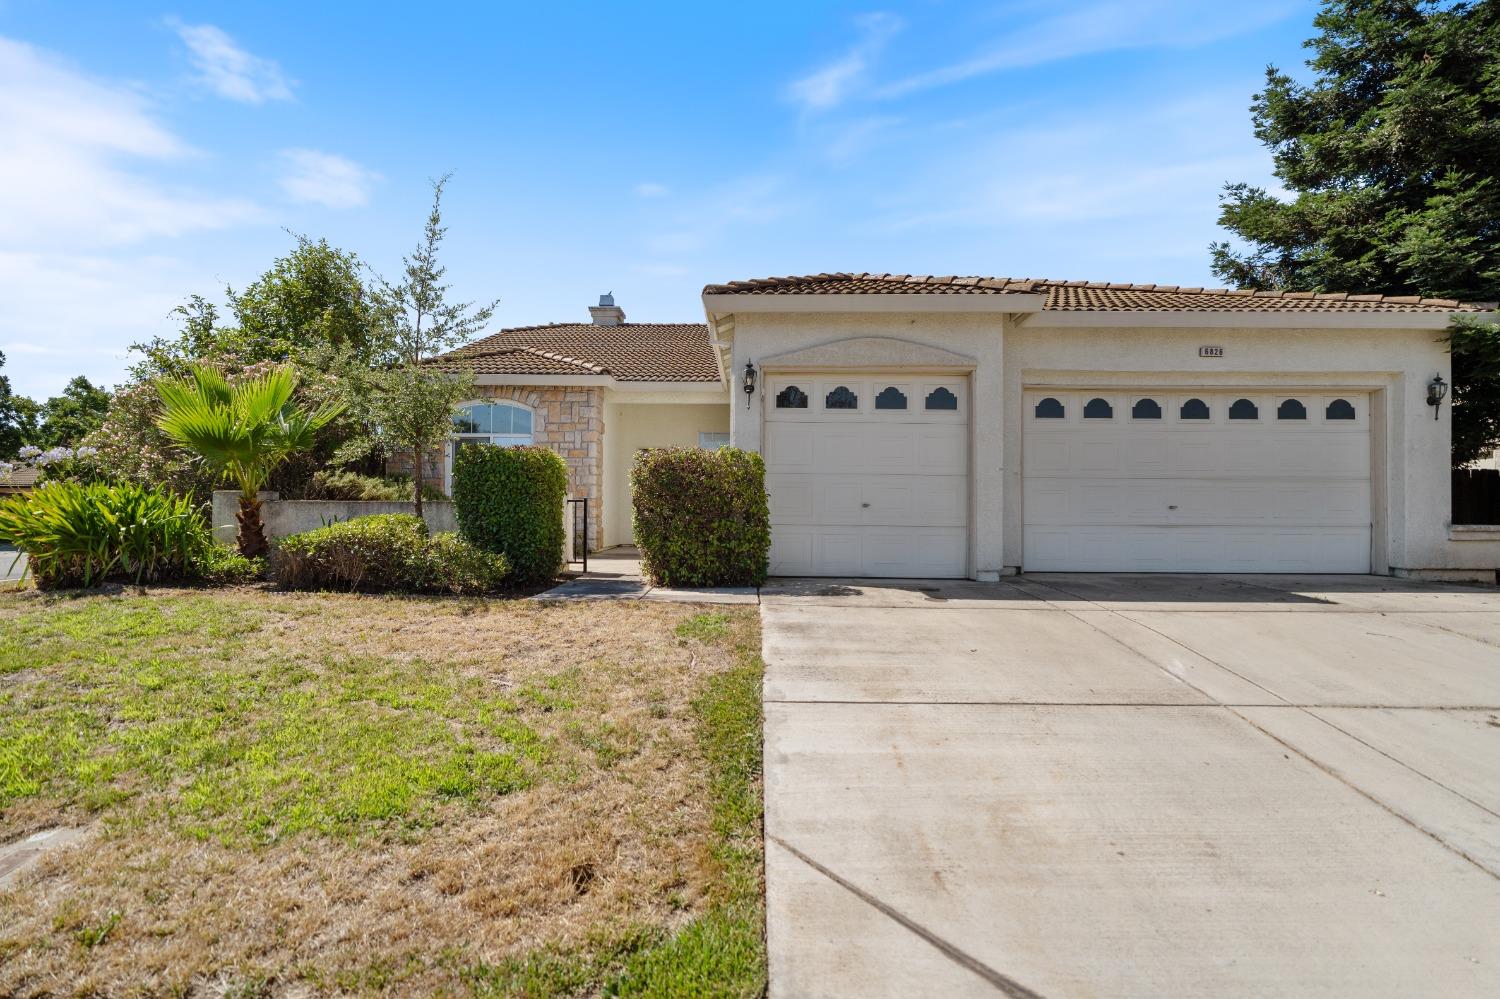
(1219, 495)
(867, 492)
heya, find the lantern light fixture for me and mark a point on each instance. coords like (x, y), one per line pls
(748, 381)
(1437, 389)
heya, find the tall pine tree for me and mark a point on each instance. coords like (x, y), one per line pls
(1391, 155)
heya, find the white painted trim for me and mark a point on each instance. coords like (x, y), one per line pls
(1247, 320)
(1474, 532)
(723, 305)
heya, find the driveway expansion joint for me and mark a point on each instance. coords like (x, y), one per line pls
(1002, 982)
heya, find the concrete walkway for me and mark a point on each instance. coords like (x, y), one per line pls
(615, 574)
(12, 564)
(1069, 785)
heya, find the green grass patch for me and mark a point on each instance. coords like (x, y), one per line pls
(165, 700)
(709, 626)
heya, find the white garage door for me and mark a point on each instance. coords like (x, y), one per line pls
(868, 476)
(1197, 482)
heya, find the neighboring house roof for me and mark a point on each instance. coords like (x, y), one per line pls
(21, 478)
(629, 352)
(1093, 296)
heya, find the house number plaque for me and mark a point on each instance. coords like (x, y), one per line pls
(1210, 351)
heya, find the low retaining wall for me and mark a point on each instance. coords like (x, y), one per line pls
(283, 517)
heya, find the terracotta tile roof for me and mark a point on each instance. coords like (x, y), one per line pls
(630, 352)
(21, 477)
(1094, 296)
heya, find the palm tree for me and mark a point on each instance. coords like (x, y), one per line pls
(243, 430)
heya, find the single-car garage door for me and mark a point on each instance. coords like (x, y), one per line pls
(1208, 481)
(868, 476)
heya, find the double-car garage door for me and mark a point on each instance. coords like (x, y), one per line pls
(1185, 481)
(868, 475)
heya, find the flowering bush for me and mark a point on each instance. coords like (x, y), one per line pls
(58, 463)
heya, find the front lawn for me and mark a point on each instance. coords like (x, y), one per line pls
(326, 793)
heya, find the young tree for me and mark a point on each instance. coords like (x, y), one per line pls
(66, 419)
(406, 403)
(1391, 155)
(242, 432)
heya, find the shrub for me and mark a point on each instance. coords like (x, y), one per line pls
(701, 517)
(452, 565)
(343, 484)
(78, 534)
(510, 500)
(388, 551)
(224, 566)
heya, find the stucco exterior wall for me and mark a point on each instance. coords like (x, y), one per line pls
(761, 337)
(1411, 450)
(633, 426)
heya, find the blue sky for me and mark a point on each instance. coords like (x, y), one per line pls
(150, 152)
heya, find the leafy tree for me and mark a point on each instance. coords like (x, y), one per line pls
(18, 417)
(66, 419)
(405, 403)
(313, 295)
(310, 301)
(1391, 153)
(242, 432)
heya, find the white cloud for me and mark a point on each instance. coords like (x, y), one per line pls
(66, 314)
(325, 179)
(829, 86)
(1100, 27)
(63, 163)
(650, 189)
(228, 70)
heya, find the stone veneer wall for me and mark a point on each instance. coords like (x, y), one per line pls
(567, 419)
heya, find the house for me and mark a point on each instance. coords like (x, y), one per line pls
(974, 427)
(21, 480)
(594, 392)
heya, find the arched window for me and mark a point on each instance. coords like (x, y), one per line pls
(791, 397)
(1049, 409)
(890, 398)
(1340, 409)
(508, 424)
(1194, 409)
(941, 398)
(1098, 409)
(1291, 409)
(1145, 409)
(505, 423)
(1243, 409)
(841, 398)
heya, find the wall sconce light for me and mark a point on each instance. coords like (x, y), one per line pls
(748, 381)
(1436, 390)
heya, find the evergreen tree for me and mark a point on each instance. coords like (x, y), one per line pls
(1392, 158)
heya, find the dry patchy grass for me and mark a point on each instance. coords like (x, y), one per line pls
(294, 794)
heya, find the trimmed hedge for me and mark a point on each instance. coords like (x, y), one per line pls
(701, 517)
(385, 552)
(510, 500)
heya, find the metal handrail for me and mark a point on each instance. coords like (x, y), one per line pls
(580, 534)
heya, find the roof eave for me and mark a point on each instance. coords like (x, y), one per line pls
(1222, 319)
(1008, 302)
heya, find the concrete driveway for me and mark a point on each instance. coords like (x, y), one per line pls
(1105, 785)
